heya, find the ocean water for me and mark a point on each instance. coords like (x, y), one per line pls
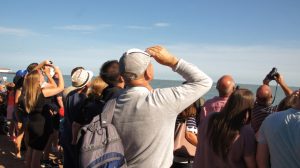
(213, 91)
(170, 83)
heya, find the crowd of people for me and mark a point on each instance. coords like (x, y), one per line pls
(233, 129)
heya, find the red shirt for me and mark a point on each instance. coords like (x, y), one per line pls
(11, 98)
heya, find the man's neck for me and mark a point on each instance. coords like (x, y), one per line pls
(120, 85)
(141, 83)
(223, 97)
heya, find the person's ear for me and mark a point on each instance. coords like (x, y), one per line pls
(121, 79)
(148, 73)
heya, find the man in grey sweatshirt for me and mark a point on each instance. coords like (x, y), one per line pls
(145, 117)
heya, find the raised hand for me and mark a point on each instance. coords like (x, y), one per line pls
(162, 56)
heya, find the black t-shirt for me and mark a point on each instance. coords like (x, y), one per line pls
(39, 124)
(110, 92)
(73, 106)
(92, 106)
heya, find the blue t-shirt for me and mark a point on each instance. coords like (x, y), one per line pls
(280, 131)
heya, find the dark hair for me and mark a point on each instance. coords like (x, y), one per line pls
(190, 111)
(224, 126)
(31, 67)
(10, 86)
(109, 72)
(75, 69)
(18, 81)
(287, 102)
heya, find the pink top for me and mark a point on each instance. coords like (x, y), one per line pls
(212, 105)
(243, 145)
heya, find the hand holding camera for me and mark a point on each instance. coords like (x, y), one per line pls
(48, 68)
(272, 75)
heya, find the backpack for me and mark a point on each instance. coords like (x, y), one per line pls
(100, 143)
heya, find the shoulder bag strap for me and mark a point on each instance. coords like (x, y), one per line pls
(108, 112)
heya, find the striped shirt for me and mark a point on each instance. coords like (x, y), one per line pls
(190, 124)
(259, 113)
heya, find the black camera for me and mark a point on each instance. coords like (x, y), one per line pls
(272, 74)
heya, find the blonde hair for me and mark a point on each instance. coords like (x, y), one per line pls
(32, 90)
(97, 86)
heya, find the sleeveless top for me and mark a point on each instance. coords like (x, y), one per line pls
(39, 117)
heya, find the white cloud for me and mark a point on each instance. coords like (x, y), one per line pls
(85, 28)
(15, 31)
(138, 27)
(161, 24)
(77, 27)
(155, 25)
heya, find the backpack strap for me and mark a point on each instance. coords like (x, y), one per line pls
(108, 112)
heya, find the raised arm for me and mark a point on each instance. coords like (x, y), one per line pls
(55, 90)
(180, 97)
(287, 91)
(42, 64)
(51, 81)
(162, 56)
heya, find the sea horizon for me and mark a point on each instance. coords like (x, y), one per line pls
(163, 83)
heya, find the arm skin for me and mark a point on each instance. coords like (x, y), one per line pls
(250, 161)
(50, 78)
(191, 138)
(262, 156)
(55, 90)
(287, 91)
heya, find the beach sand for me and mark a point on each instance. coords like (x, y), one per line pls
(7, 157)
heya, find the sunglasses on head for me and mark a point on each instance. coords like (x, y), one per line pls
(134, 50)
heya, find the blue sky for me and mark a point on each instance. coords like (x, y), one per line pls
(242, 38)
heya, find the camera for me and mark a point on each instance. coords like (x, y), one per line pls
(51, 69)
(272, 74)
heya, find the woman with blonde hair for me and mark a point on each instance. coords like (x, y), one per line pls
(97, 86)
(228, 140)
(36, 100)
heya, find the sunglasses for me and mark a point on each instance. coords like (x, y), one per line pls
(135, 50)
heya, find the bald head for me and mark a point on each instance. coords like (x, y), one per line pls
(264, 95)
(225, 86)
